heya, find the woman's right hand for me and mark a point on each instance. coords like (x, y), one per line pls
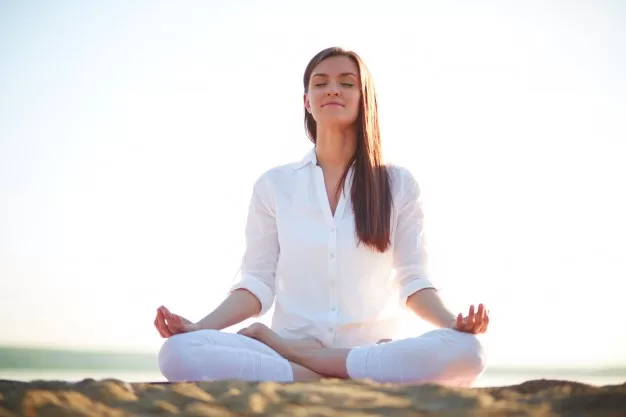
(169, 324)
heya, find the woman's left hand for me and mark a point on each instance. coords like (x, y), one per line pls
(474, 323)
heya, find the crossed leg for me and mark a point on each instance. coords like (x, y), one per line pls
(442, 356)
(215, 355)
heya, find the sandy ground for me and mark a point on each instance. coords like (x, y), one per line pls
(326, 398)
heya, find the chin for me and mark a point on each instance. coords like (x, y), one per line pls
(337, 121)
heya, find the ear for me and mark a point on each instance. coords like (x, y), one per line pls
(307, 104)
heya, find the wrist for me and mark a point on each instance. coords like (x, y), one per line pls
(206, 324)
(445, 320)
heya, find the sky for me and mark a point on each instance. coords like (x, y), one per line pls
(131, 133)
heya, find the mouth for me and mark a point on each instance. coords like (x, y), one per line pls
(332, 104)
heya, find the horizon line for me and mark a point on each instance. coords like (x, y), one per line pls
(503, 367)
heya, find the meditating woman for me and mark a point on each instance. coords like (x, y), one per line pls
(329, 241)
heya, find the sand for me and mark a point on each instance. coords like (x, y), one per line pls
(325, 398)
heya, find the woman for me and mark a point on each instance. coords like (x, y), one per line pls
(330, 240)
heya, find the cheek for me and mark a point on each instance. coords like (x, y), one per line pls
(315, 100)
(355, 103)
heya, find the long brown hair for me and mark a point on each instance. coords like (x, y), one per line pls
(371, 190)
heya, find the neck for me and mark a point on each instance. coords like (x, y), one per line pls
(335, 148)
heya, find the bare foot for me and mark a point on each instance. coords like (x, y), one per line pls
(285, 347)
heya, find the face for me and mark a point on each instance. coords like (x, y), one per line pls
(334, 92)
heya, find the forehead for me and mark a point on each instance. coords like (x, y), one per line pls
(336, 65)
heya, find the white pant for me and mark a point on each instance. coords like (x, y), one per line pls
(440, 356)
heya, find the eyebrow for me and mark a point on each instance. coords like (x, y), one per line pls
(343, 74)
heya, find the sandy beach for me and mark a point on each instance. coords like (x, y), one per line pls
(325, 398)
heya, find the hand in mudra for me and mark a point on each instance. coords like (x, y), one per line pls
(475, 323)
(169, 324)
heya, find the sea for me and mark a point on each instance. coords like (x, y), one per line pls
(29, 364)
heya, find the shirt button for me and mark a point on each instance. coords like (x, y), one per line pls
(330, 329)
(332, 256)
(333, 309)
(332, 230)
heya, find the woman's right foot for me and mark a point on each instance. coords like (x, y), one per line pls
(287, 348)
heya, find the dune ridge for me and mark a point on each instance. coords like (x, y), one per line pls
(328, 397)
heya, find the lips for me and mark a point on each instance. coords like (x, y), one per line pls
(332, 103)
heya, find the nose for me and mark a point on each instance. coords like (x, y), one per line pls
(333, 89)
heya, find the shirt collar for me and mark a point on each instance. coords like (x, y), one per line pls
(309, 158)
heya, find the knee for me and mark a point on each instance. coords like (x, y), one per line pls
(468, 356)
(474, 353)
(453, 358)
(176, 357)
(172, 355)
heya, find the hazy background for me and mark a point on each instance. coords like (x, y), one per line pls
(131, 133)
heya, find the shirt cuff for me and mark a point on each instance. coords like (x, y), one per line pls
(412, 287)
(261, 290)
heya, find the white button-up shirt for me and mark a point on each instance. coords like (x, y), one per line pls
(306, 260)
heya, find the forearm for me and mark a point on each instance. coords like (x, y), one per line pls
(240, 305)
(428, 305)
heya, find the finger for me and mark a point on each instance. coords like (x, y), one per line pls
(169, 322)
(158, 327)
(459, 321)
(158, 322)
(481, 310)
(176, 324)
(167, 314)
(469, 320)
(164, 313)
(169, 317)
(478, 319)
(485, 323)
(166, 330)
(161, 325)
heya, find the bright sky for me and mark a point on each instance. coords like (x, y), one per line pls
(131, 134)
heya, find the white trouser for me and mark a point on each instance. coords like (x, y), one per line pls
(440, 356)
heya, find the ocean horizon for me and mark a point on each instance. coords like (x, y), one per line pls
(40, 363)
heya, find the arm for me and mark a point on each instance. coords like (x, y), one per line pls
(428, 305)
(253, 295)
(417, 293)
(240, 305)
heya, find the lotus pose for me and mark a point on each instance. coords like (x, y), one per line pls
(331, 240)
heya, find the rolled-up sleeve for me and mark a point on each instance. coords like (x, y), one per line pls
(258, 268)
(410, 255)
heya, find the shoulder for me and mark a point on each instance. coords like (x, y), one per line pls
(277, 174)
(403, 182)
(276, 177)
